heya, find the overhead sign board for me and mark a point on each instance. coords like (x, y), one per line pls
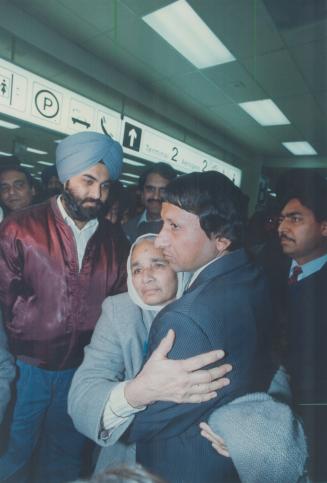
(31, 98)
(147, 143)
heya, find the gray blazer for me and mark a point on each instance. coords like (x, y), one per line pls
(114, 354)
(7, 371)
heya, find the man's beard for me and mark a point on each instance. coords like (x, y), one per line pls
(76, 210)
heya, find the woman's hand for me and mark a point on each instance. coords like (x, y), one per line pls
(216, 441)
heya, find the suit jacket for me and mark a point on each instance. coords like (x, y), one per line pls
(114, 354)
(228, 306)
(306, 362)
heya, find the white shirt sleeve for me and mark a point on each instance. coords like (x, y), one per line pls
(117, 408)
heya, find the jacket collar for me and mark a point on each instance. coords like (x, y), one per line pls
(221, 266)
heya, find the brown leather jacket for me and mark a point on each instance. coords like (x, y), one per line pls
(50, 307)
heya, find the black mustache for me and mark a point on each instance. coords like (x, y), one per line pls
(284, 237)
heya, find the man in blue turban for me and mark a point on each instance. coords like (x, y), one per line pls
(58, 262)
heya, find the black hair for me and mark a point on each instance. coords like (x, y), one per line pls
(163, 169)
(219, 204)
(15, 166)
(309, 187)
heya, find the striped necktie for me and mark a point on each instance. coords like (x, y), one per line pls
(297, 270)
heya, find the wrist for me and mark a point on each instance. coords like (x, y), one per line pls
(135, 394)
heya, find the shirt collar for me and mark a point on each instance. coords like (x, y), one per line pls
(310, 267)
(199, 270)
(69, 221)
(144, 218)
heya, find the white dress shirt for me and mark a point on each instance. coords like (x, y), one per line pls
(82, 235)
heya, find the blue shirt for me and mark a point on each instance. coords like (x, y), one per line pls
(310, 267)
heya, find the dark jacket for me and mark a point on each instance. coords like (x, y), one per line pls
(50, 307)
(227, 307)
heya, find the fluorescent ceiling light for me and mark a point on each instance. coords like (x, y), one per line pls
(127, 181)
(25, 165)
(133, 163)
(2, 153)
(265, 112)
(57, 141)
(300, 148)
(36, 151)
(8, 125)
(46, 163)
(182, 28)
(131, 175)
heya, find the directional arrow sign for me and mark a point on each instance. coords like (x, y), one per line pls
(132, 137)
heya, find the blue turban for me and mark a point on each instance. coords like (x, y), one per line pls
(80, 151)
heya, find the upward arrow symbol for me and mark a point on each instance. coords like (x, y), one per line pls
(132, 136)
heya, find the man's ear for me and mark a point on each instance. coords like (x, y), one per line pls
(222, 244)
(324, 228)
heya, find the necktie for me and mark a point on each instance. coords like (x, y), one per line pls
(295, 274)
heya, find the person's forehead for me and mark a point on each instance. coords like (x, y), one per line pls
(155, 179)
(146, 249)
(295, 206)
(12, 176)
(98, 171)
(175, 213)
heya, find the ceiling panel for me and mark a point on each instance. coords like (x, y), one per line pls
(59, 18)
(100, 14)
(197, 86)
(278, 74)
(312, 63)
(236, 83)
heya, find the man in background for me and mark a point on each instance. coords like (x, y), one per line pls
(152, 184)
(58, 262)
(16, 188)
(303, 237)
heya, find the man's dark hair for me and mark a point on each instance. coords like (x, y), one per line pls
(218, 203)
(163, 169)
(309, 187)
(17, 167)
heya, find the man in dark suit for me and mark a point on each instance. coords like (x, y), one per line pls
(303, 237)
(226, 305)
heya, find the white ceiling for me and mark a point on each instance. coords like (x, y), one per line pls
(280, 47)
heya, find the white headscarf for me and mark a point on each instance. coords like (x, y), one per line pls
(182, 279)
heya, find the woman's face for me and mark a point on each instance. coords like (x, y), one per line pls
(153, 279)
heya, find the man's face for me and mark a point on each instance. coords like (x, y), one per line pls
(84, 195)
(185, 245)
(302, 237)
(15, 191)
(153, 192)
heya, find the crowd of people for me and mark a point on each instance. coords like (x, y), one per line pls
(173, 333)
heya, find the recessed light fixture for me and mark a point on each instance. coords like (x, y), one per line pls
(131, 175)
(133, 163)
(184, 30)
(265, 112)
(300, 148)
(45, 163)
(36, 151)
(8, 125)
(3, 153)
(25, 165)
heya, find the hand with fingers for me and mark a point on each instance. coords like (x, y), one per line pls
(216, 441)
(179, 381)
